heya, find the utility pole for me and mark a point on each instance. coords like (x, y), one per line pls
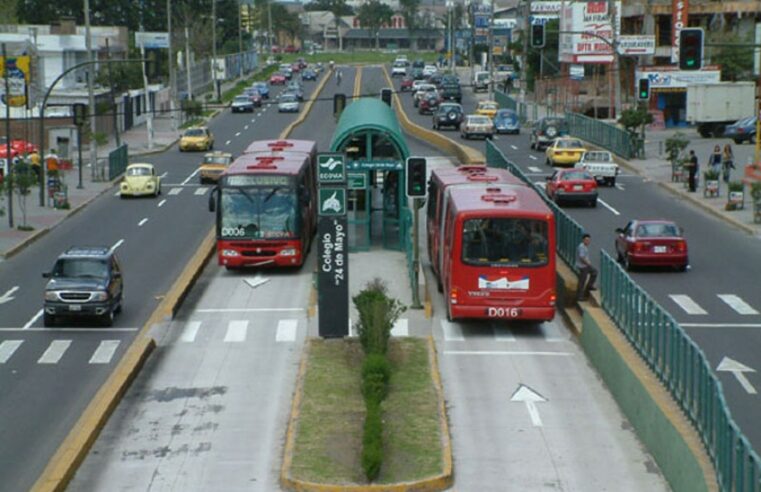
(8, 159)
(490, 53)
(214, 48)
(172, 75)
(269, 28)
(147, 98)
(91, 91)
(188, 77)
(524, 58)
(113, 98)
(613, 11)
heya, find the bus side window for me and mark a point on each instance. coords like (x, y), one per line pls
(433, 200)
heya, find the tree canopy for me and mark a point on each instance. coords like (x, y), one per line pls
(373, 15)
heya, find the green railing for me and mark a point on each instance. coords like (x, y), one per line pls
(405, 230)
(567, 231)
(684, 370)
(117, 161)
(608, 136)
(508, 102)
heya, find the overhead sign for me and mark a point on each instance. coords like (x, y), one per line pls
(152, 40)
(664, 79)
(596, 26)
(636, 45)
(679, 10)
(356, 181)
(18, 77)
(331, 168)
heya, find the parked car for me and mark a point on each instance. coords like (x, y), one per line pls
(451, 91)
(547, 129)
(291, 49)
(448, 115)
(275, 49)
(242, 104)
(262, 88)
(506, 121)
(564, 151)
(399, 69)
(277, 78)
(422, 90)
(480, 81)
(288, 103)
(741, 131)
(487, 108)
(308, 74)
(572, 185)
(84, 282)
(428, 103)
(196, 138)
(652, 243)
(213, 165)
(600, 164)
(476, 125)
(406, 83)
(140, 179)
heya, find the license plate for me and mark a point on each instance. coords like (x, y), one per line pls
(75, 307)
(578, 187)
(659, 249)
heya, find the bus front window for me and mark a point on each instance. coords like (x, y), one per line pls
(505, 242)
(258, 213)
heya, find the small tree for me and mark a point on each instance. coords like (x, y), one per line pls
(22, 179)
(377, 315)
(675, 145)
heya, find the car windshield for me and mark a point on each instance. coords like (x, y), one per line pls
(568, 144)
(575, 176)
(243, 99)
(138, 171)
(657, 230)
(505, 241)
(81, 268)
(259, 212)
(482, 76)
(558, 123)
(597, 156)
(488, 106)
(216, 159)
(287, 98)
(194, 132)
(446, 108)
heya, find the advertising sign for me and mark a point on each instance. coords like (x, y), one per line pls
(18, 77)
(333, 277)
(152, 40)
(576, 72)
(664, 80)
(331, 168)
(595, 25)
(678, 22)
(636, 45)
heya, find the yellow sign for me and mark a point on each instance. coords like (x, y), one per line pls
(497, 50)
(18, 77)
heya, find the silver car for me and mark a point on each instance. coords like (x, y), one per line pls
(288, 103)
(242, 104)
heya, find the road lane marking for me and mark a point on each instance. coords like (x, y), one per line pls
(175, 191)
(687, 304)
(737, 369)
(250, 310)
(237, 134)
(117, 193)
(737, 304)
(286, 330)
(142, 222)
(531, 157)
(502, 333)
(162, 202)
(513, 147)
(245, 127)
(253, 120)
(620, 187)
(535, 169)
(452, 331)
(192, 175)
(228, 142)
(236, 331)
(54, 352)
(190, 331)
(163, 175)
(506, 352)
(401, 328)
(117, 244)
(201, 191)
(8, 296)
(7, 348)
(604, 204)
(552, 333)
(105, 352)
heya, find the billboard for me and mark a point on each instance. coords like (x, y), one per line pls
(18, 77)
(678, 22)
(665, 79)
(152, 40)
(593, 30)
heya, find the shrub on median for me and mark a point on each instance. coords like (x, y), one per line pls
(377, 315)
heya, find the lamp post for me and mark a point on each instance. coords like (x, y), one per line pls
(490, 52)
(450, 36)
(214, 48)
(91, 90)
(170, 59)
(240, 40)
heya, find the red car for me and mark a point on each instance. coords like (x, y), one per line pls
(291, 49)
(572, 185)
(277, 78)
(429, 103)
(651, 243)
(296, 67)
(256, 98)
(23, 147)
(407, 83)
(275, 49)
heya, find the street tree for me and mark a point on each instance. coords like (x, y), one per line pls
(736, 61)
(21, 180)
(409, 10)
(373, 15)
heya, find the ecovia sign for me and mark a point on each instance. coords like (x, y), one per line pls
(331, 168)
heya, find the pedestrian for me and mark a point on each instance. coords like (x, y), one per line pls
(587, 271)
(692, 169)
(338, 77)
(35, 162)
(727, 162)
(714, 160)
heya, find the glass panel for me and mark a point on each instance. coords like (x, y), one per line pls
(81, 268)
(505, 242)
(355, 147)
(384, 148)
(258, 213)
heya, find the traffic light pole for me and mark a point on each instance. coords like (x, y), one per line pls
(416, 253)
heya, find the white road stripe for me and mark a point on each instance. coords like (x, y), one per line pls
(201, 191)
(534, 169)
(604, 204)
(105, 352)
(236, 331)
(245, 127)
(505, 352)
(685, 302)
(162, 202)
(401, 328)
(228, 142)
(531, 157)
(117, 244)
(286, 330)
(253, 120)
(163, 175)
(192, 175)
(117, 193)
(190, 331)
(175, 191)
(250, 310)
(513, 147)
(620, 186)
(33, 320)
(737, 304)
(452, 331)
(61, 329)
(54, 352)
(140, 224)
(237, 134)
(7, 348)
(502, 333)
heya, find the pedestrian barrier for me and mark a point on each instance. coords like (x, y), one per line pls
(683, 369)
(117, 161)
(520, 108)
(608, 136)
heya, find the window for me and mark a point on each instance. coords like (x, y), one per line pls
(81, 267)
(505, 241)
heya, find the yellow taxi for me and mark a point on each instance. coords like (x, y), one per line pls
(140, 179)
(564, 151)
(196, 138)
(213, 165)
(487, 108)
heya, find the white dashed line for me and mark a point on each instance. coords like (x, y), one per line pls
(163, 175)
(615, 212)
(452, 332)
(227, 143)
(514, 147)
(117, 193)
(237, 134)
(190, 331)
(201, 191)
(33, 320)
(117, 244)
(236, 331)
(175, 191)
(54, 352)
(620, 187)
(142, 222)
(7, 348)
(534, 169)
(190, 177)
(286, 330)
(531, 157)
(162, 202)
(105, 352)
(245, 127)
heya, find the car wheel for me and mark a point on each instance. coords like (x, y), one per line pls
(593, 203)
(548, 162)
(737, 141)
(48, 320)
(619, 256)
(627, 264)
(531, 145)
(612, 182)
(681, 268)
(118, 308)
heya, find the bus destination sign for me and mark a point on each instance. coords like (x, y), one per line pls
(256, 180)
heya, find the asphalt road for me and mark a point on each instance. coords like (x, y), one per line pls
(716, 301)
(48, 376)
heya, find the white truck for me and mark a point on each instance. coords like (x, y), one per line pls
(600, 164)
(714, 106)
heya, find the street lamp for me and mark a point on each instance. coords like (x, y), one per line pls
(450, 4)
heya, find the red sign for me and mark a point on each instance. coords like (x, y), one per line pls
(678, 22)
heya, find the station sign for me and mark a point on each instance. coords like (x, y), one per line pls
(333, 277)
(356, 181)
(332, 201)
(152, 40)
(331, 168)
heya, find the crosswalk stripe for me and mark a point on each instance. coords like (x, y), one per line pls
(685, 302)
(534, 169)
(7, 348)
(452, 332)
(502, 333)
(54, 352)
(175, 191)
(201, 191)
(190, 331)
(401, 328)
(236, 331)
(105, 352)
(737, 304)
(286, 330)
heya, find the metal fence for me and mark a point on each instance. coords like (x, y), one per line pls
(405, 231)
(684, 370)
(506, 101)
(117, 161)
(611, 137)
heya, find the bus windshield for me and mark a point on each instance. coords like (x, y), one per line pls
(258, 212)
(505, 241)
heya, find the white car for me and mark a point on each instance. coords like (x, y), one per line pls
(429, 70)
(422, 90)
(600, 164)
(288, 103)
(399, 69)
(402, 59)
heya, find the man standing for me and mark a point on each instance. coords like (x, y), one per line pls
(587, 272)
(692, 168)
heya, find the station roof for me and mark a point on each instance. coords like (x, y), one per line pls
(369, 114)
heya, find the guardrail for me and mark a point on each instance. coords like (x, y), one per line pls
(617, 140)
(117, 161)
(684, 370)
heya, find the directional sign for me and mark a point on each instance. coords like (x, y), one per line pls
(332, 201)
(737, 369)
(530, 398)
(333, 277)
(256, 281)
(331, 168)
(356, 181)
(636, 45)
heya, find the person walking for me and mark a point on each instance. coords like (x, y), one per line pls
(714, 160)
(692, 169)
(727, 162)
(587, 271)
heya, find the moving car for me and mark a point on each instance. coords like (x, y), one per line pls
(487, 108)
(741, 131)
(421, 91)
(262, 88)
(572, 185)
(406, 83)
(451, 91)
(196, 138)
(480, 81)
(288, 103)
(308, 74)
(287, 70)
(296, 67)
(652, 243)
(545, 130)
(84, 282)
(564, 151)
(428, 103)
(213, 165)
(476, 125)
(242, 104)
(140, 179)
(417, 73)
(295, 87)
(254, 95)
(600, 164)
(429, 70)
(448, 115)
(399, 69)
(506, 121)
(277, 78)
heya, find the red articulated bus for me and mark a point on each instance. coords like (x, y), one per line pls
(492, 245)
(266, 206)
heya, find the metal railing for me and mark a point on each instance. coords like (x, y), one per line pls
(509, 102)
(611, 137)
(684, 370)
(117, 161)
(405, 231)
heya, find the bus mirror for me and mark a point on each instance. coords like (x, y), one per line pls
(212, 203)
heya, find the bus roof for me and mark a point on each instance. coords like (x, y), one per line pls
(473, 174)
(306, 146)
(516, 200)
(290, 163)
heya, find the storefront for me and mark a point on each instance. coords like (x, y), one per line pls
(668, 89)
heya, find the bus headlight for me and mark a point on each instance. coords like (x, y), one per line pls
(230, 252)
(288, 252)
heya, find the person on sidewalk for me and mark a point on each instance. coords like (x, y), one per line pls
(587, 271)
(714, 160)
(692, 169)
(727, 162)
(35, 162)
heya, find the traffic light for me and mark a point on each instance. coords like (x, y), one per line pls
(416, 177)
(691, 49)
(79, 113)
(339, 103)
(644, 89)
(386, 95)
(537, 35)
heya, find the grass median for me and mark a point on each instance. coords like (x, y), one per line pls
(328, 440)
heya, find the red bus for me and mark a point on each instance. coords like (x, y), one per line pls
(496, 253)
(265, 203)
(304, 146)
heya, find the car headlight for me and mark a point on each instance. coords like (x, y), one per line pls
(51, 295)
(100, 296)
(124, 186)
(288, 252)
(230, 252)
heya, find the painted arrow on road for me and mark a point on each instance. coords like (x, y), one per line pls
(530, 398)
(737, 369)
(8, 296)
